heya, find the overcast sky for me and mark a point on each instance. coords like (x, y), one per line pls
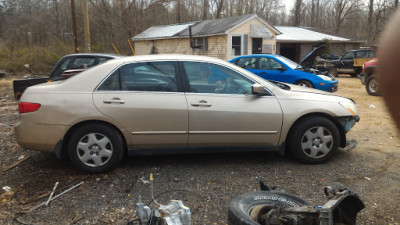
(289, 4)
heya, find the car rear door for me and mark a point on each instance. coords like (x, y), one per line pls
(223, 111)
(147, 99)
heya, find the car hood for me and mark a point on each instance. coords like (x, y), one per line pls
(300, 92)
(308, 61)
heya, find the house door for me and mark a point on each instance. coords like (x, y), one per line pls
(256, 46)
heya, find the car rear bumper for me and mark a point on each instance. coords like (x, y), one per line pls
(42, 137)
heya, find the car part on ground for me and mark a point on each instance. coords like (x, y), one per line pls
(275, 207)
(168, 104)
(67, 66)
(174, 213)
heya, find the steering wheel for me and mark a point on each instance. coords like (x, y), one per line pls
(222, 86)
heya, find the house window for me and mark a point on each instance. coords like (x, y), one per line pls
(200, 43)
(236, 45)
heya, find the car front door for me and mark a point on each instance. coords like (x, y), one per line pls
(346, 63)
(224, 112)
(272, 69)
(147, 99)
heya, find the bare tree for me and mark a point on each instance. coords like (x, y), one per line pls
(343, 8)
(297, 12)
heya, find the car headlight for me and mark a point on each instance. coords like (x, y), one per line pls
(351, 107)
(323, 77)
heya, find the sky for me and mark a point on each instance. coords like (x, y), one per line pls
(289, 4)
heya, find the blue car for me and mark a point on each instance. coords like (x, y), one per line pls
(281, 69)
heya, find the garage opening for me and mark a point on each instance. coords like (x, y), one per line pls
(291, 51)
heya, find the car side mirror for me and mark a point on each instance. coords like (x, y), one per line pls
(281, 69)
(258, 89)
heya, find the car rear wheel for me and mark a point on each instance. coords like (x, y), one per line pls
(95, 148)
(304, 83)
(334, 72)
(372, 86)
(313, 140)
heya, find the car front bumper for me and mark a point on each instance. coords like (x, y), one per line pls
(330, 86)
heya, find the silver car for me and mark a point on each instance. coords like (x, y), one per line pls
(178, 103)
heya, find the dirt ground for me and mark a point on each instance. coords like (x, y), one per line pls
(205, 183)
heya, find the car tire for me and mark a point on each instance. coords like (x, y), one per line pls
(243, 209)
(372, 86)
(304, 83)
(95, 148)
(334, 72)
(313, 140)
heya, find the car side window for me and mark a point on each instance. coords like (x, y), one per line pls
(247, 63)
(269, 64)
(216, 79)
(102, 60)
(83, 62)
(149, 76)
(65, 64)
(348, 55)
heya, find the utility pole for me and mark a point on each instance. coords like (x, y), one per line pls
(74, 26)
(86, 25)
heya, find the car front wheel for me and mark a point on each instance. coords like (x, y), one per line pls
(372, 86)
(313, 140)
(304, 83)
(95, 148)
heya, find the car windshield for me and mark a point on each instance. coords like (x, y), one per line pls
(289, 62)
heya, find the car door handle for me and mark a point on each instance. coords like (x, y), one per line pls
(263, 73)
(202, 103)
(114, 100)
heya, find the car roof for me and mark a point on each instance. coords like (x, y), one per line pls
(168, 57)
(258, 55)
(96, 54)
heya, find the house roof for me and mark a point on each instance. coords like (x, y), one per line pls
(199, 28)
(303, 34)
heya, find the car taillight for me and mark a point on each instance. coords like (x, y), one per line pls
(25, 107)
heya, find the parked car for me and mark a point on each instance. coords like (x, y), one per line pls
(351, 62)
(369, 77)
(66, 67)
(168, 103)
(282, 69)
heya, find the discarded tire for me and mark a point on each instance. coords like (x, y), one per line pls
(241, 207)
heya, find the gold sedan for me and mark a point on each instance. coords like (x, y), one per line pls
(178, 103)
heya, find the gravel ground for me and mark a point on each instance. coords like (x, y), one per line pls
(206, 183)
